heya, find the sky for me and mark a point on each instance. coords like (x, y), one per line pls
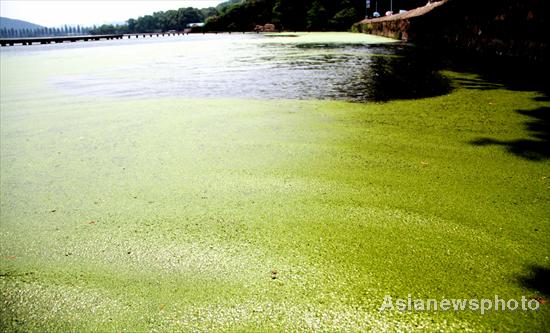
(85, 12)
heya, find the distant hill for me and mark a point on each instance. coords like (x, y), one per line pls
(17, 24)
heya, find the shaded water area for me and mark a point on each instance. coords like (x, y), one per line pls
(259, 67)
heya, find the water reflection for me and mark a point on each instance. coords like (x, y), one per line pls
(408, 74)
(246, 68)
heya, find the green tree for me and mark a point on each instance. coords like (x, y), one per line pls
(290, 14)
(146, 23)
(209, 12)
(317, 17)
(169, 20)
(131, 25)
(213, 23)
(344, 18)
(188, 15)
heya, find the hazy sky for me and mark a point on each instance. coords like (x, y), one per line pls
(86, 12)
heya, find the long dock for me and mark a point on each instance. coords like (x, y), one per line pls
(86, 38)
(60, 39)
(157, 34)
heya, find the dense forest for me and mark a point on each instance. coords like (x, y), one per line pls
(289, 15)
(44, 31)
(301, 14)
(176, 19)
(240, 15)
(244, 15)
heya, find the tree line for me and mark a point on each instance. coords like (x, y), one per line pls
(238, 15)
(315, 15)
(244, 15)
(176, 19)
(289, 15)
(45, 31)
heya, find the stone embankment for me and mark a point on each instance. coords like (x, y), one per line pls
(489, 27)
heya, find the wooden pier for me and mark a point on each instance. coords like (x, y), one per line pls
(155, 34)
(60, 39)
(86, 38)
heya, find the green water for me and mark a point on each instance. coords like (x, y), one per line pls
(171, 212)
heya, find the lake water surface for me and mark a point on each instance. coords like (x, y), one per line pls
(300, 66)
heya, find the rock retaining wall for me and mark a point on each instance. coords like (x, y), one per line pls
(489, 27)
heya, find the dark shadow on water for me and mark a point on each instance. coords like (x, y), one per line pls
(376, 72)
(515, 75)
(477, 84)
(496, 73)
(355, 72)
(407, 76)
(393, 71)
(534, 148)
(386, 72)
(538, 279)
